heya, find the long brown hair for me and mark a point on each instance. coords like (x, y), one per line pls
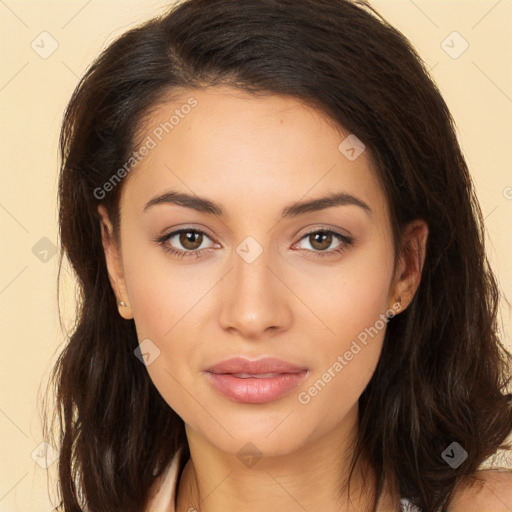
(443, 374)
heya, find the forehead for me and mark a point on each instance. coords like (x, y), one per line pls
(239, 148)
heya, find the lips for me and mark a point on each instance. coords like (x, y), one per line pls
(255, 382)
(267, 365)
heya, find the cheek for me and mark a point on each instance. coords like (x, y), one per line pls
(345, 364)
(163, 293)
(353, 304)
(168, 303)
(166, 308)
(351, 298)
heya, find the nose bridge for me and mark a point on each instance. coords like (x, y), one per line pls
(252, 300)
(251, 267)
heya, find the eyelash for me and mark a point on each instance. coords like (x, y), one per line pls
(346, 242)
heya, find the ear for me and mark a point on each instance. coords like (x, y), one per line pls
(410, 264)
(114, 265)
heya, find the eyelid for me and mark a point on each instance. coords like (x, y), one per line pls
(327, 229)
(171, 234)
(345, 241)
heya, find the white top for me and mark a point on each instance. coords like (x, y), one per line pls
(165, 492)
(163, 499)
(407, 507)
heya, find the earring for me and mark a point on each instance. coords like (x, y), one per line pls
(399, 300)
(122, 304)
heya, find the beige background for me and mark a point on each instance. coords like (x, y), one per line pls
(33, 93)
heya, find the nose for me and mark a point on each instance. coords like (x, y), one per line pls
(254, 302)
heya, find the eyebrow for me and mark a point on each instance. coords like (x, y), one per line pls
(294, 209)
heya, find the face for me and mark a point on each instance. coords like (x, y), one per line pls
(240, 269)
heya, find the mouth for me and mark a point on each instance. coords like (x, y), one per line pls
(255, 382)
(266, 365)
(255, 376)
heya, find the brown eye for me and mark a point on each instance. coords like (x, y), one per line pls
(321, 240)
(191, 240)
(186, 242)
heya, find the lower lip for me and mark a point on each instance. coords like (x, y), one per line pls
(253, 390)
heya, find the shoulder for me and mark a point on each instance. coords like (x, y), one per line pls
(489, 491)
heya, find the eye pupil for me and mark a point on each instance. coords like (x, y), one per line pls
(188, 239)
(323, 236)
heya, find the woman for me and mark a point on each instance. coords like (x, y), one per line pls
(285, 299)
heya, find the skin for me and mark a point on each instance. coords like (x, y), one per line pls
(254, 156)
(490, 491)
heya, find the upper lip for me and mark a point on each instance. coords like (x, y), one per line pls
(259, 366)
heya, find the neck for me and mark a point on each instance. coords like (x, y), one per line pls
(313, 477)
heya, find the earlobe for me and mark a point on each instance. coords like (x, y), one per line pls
(412, 259)
(113, 263)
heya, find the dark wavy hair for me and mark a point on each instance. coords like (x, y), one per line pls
(443, 374)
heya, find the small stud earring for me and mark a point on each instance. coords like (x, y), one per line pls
(122, 304)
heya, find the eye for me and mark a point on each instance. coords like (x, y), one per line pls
(190, 242)
(189, 239)
(321, 240)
